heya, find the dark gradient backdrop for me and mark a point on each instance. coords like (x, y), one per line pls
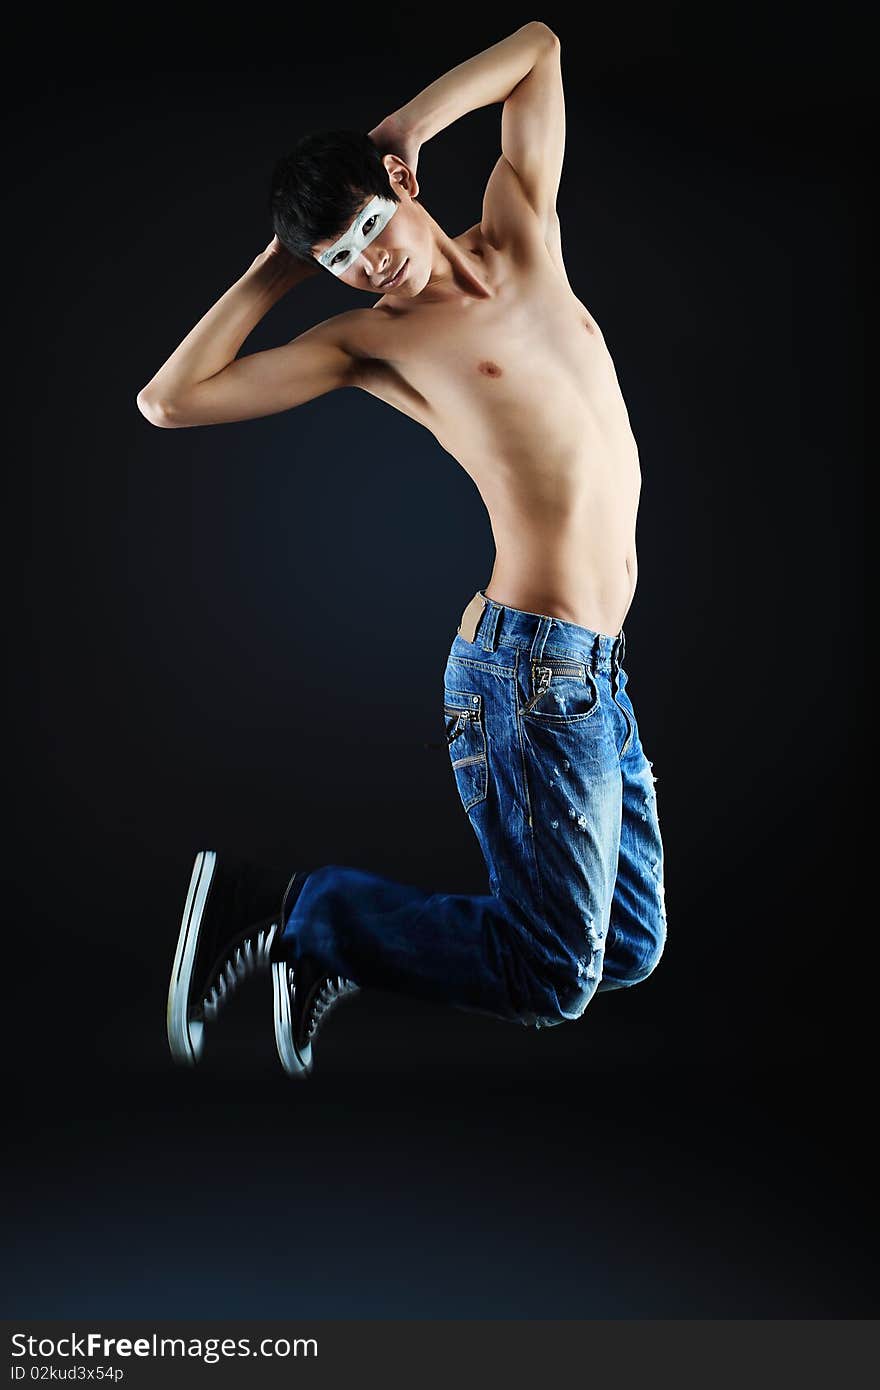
(198, 635)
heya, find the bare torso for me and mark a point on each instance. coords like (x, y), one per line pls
(513, 378)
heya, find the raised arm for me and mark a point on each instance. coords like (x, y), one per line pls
(524, 72)
(203, 383)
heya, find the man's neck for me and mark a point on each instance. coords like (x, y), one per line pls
(453, 275)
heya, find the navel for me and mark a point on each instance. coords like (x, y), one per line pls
(490, 368)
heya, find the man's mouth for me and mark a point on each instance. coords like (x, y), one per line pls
(396, 278)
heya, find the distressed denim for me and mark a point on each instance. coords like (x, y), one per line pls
(545, 751)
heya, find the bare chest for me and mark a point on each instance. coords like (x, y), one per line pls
(525, 354)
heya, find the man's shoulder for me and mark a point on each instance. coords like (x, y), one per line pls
(359, 332)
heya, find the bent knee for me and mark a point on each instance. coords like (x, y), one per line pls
(632, 957)
(649, 962)
(567, 1000)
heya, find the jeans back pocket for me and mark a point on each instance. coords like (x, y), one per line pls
(466, 740)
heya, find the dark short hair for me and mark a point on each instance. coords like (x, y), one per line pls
(317, 188)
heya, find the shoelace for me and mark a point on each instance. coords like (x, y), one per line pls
(249, 956)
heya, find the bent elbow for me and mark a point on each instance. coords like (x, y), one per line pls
(159, 413)
(547, 31)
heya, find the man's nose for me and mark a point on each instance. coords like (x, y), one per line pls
(377, 261)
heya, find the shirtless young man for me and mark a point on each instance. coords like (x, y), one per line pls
(481, 339)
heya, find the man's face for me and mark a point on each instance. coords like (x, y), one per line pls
(403, 242)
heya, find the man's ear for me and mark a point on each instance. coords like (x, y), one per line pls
(400, 175)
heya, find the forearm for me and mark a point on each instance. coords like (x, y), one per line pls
(487, 78)
(219, 334)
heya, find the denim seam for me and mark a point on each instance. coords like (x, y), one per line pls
(558, 721)
(517, 644)
(554, 649)
(483, 665)
(630, 727)
(530, 829)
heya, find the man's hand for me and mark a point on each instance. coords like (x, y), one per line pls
(488, 77)
(277, 260)
(396, 136)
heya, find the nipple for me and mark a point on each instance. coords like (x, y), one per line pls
(490, 368)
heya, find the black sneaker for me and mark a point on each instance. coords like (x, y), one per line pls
(303, 995)
(230, 920)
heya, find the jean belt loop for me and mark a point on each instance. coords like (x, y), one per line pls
(542, 632)
(615, 664)
(489, 625)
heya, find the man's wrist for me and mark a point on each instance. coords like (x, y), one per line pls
(415, 122)
(487, 77)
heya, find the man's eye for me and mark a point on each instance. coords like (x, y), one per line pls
(373, 218)
(344, 254)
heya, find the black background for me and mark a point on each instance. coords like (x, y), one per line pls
(234, 636)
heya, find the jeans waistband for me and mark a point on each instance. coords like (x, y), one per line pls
(540, 635)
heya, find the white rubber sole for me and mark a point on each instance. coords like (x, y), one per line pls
(185, 1036)
(291, 1061)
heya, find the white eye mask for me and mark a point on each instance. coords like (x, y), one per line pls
(354, 240)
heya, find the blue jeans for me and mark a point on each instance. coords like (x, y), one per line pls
(545, 752)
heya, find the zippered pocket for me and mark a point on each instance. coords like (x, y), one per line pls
(562, 691)
(466, 739)
(460, 718)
